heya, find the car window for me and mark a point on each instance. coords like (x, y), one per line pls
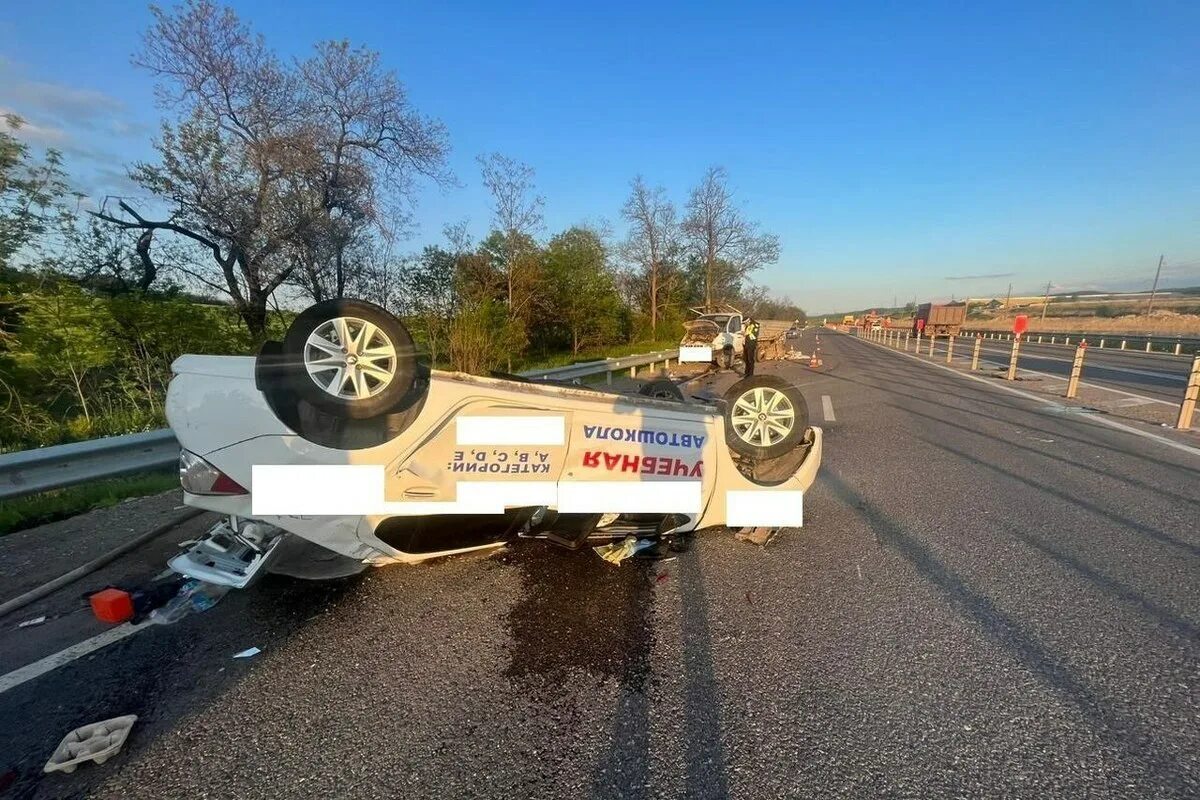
(735, 324)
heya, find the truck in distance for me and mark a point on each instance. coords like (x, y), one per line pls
(945, 319)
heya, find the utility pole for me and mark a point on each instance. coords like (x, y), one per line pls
(1046, 301)
(1008, 298)
(1153, 290)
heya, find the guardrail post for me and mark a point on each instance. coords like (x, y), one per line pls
(1122, 344)
(1067, 340)
(1012, 360)
(1101, 344)
(1039, 340)
(608, 377)
(1188, 406)
(949, 348)
(1076, 369)
(906, 335)
(1178, 346)
(975, 353)
(1148, 343)
(633, 372)
(918, 348)
(931, 341)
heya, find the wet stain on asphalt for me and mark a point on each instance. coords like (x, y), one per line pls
(579, 614)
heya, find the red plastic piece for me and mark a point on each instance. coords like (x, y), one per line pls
(112, 605)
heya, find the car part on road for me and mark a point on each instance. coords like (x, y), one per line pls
(349, 357)
(617, 552)
(766, 416)
(97, 742)
(96, 563)
(231, 554)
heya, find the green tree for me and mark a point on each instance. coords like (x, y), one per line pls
(583, 299)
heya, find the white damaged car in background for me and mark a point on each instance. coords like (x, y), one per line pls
(339, 445)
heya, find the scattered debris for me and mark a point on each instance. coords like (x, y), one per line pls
(759, 536)
(617, 552)
(662, 576)
(748, 599)
(112, 605)
(193, 597)
(249, 652)
(97, 742)
(29, 623)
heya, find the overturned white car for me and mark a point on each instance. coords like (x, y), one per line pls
(339, 438)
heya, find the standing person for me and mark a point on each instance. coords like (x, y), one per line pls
(750, 345)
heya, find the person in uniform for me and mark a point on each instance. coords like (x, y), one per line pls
(750, 345)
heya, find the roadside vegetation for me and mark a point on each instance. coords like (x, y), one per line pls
(28, 512)
(280, 182)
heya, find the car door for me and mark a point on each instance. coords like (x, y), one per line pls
(735, 329)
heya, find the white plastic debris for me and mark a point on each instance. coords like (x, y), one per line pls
(97, 742)
(29, 623)
(248, 653)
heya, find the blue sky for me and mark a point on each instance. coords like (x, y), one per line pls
(897, 149)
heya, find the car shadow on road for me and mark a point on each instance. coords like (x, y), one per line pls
(927, 393)
(1153, 533)
(1008, 443)
(1119, 732)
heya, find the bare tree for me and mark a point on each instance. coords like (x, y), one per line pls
(517, 215)
(727, 245)
(273, 168)
(653, 236)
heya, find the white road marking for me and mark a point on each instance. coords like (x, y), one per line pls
(66, 656)
(1048, 401)
(827, 408)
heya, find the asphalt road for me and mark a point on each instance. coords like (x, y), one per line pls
(1154, 375)
(1012, 612)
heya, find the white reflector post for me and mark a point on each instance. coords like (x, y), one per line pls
(629, 497)
(695, 353)
(764, 508)
(510, 430)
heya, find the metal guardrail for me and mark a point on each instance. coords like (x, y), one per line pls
(47, 468)
(1164, 345)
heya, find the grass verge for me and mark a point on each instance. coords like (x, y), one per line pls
(38, 509)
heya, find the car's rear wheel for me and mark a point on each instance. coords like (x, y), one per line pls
(765, 416)
(661, 389)
(350, 357)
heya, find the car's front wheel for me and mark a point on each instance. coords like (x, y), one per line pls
(765, 416)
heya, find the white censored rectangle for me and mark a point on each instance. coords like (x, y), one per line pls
(694, 353)
(318, 489)
(629, 497)
(510, 430)
(764, 508)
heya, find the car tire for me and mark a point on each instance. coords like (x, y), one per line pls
(661, 389)
(350, 358)
(765, 417)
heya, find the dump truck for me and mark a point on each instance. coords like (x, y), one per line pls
(716, 337)
(848, 320)
(934, 319)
